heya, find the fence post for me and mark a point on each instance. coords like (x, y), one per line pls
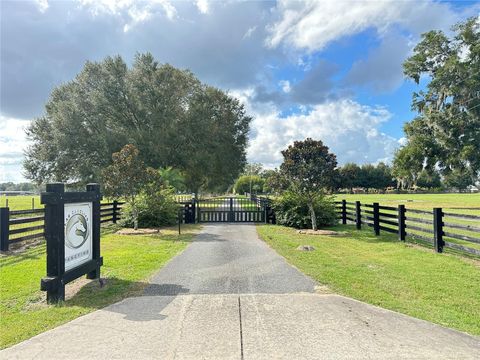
(179, 221)
(115, 209)
(194, 211)
(438, 242)
(358, 215)
(376, 219)
(4, 228)
(344, 211)
(33, 203)
(401, 223)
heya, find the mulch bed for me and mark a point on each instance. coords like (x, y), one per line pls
(145, 231)
(321, 232)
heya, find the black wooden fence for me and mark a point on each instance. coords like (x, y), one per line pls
(435, 228)
(22, 225)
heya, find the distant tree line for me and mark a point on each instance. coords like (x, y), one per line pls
(24, 186)
(348, 177)
(367, 176)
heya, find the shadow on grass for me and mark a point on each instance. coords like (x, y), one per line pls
(365, 234)
(33, 253)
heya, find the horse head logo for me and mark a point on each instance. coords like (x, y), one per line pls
(76, 231)
(80, 229)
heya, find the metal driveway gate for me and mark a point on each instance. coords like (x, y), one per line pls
(230, 209)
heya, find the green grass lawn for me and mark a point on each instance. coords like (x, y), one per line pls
(441, 288)
(469, 202)
(21, 202)
(128, 263)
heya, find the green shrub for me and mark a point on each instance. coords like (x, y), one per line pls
(154, 209)
(242, 185)
(291, 210)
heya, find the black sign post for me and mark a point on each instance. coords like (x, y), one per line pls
(72, 237)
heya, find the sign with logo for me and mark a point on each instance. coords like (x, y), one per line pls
(72, 232)
(78, 234)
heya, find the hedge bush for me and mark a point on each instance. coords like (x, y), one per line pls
(291, 210)
(154, 209)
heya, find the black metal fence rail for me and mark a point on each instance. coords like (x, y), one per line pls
(434, 228)
(22, 225)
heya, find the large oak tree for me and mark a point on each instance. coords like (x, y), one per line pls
(445, 136)
(168, 114)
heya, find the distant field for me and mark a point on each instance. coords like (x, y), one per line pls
(25, 202)
(469, 202)
(21, 202)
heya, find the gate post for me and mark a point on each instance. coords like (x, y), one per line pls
(4, 228)
(193, 212)
(231, 214)
(54, 235)
(95, 188)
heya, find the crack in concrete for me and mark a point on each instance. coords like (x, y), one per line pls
(241, 330)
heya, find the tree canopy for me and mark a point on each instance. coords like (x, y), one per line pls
(168, 114)
(445, 136)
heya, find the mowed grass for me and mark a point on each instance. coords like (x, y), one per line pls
(441, 288)
(128, 263)
(460, 203)
(21, 202)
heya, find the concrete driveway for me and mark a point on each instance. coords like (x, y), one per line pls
(229, 296)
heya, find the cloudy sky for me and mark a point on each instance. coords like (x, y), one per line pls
(330, 70)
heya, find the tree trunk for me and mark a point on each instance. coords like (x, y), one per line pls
(313, 216)
(135, 214)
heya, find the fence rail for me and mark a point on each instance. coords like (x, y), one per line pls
(426, 227)
(21, 225)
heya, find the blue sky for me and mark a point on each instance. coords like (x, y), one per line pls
(330, 70)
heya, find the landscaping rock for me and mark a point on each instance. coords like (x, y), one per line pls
(145, 231)
(305, 248)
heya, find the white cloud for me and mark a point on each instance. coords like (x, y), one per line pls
(135, 12)
(202, 6)
(42, 5)
(285, 85)
(402, 141)
(12, 143)
(312, 24)
(249, 32)
(350, 129)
